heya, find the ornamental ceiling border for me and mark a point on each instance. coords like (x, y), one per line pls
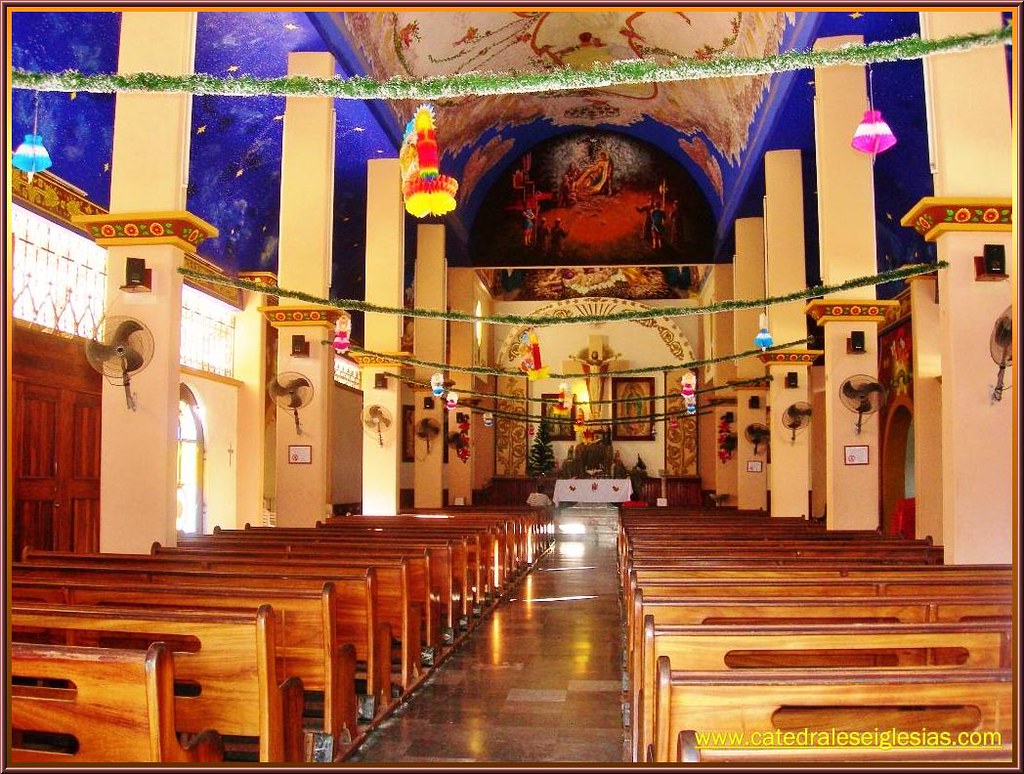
(671, 336)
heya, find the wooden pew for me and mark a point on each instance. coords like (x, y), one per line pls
(368, 595)
(228, 659)
(855, 700)
(308, 645)
(984, 645)
(137, 727)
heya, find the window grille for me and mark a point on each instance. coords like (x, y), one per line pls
(346, 372)
(207, 333)
(59, 277)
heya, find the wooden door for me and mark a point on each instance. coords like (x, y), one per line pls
(55, 452)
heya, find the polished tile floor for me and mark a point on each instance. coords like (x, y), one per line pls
(539, 680)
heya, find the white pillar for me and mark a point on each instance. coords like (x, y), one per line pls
(431, 293)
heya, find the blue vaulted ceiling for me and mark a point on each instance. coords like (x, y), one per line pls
(234, 177)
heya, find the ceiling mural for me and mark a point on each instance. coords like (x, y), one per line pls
(593, 198)
(641, 283)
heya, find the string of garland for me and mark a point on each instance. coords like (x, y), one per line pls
(534, 419)
(600, 75)
(488, 371)
(506, 396)
(537, 321)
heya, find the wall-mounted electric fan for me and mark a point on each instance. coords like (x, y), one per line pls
(428, 429)
(796, 417)
(861, 394)
(757, 434)
(376, 420)
(291, 391)
(1001, 347)
(122, 348)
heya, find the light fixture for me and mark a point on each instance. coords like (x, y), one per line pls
(873, 135)
(763, 339)
(31, 156)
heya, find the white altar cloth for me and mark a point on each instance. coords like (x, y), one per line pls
(592, 490)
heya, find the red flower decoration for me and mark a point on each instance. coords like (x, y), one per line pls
(130, 229)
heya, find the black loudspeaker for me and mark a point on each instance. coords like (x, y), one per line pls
(754, 402)
(300, 347)
(461, 417)
(727, 416)
(995, 259)
(792, 379)
(380, 382)
(428, 403)
(134, 272)
(856, 342)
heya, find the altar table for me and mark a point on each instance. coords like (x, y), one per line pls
(592, 490)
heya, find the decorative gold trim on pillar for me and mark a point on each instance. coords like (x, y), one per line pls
(759, 386)
(364, 360)
(824, 310)
(934, 216)
(225, 293)
(54, 196)
(791, 357)
(181, 229)
(287, 316)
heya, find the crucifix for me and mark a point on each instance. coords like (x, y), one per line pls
(595, 361)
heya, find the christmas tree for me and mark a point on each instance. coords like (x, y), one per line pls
(541, 461)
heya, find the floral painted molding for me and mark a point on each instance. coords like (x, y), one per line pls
(933, 216)
(283, 316)
(830, 310)
(181, 229)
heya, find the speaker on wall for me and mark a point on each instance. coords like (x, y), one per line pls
(995, 259)
(380, 382)
(428, 403)
(856, 342)
(134, 271)
(792, 379)
(300, 347)
(754, 402)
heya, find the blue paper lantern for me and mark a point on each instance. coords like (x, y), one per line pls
(763, 339)
(31, 156)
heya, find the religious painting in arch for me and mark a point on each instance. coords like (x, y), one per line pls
(593, 198)
(638, 283)
(633, 409)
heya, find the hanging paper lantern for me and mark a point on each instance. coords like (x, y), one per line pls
(488, 419)
(463, 453)
(763, 339)
(532, 361)
(437, 385)
(873, 135)
(341, 333)
(426, 190)
(31, 156)
(452, 400)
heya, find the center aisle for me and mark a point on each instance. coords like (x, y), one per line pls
(539, 680)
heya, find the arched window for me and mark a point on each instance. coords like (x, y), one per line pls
(191, 452)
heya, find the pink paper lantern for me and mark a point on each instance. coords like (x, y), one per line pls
(873, 135)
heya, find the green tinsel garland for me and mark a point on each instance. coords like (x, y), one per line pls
(488, 371)
(505, 396)
(621, 72)
(537, 321)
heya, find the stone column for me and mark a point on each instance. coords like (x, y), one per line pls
(251, 340)
(431, 293)
(927, 365)
(847, 237)
(385, 277)
(147, 219)
(304, 263)
(461, 298)
(751, 465)
(748, 284)
(975, 161)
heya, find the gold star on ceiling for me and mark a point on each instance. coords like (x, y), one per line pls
(239, 173)
(232, 68)
(290, 26)
(201, 129)
(856, 15)
(106, 166)
(279, 118)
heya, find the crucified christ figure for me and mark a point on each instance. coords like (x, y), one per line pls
(595, 362)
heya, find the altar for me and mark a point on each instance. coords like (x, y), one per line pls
(592, 490)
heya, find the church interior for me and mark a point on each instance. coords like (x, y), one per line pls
(512, 385)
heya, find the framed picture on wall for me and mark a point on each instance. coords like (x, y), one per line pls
(560, 425)
(408, 434)
(633, 408)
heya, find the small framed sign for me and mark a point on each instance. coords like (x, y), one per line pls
(753, 466)
(855, 455)
(300, 455)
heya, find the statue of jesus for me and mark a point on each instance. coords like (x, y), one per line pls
(595, 364)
